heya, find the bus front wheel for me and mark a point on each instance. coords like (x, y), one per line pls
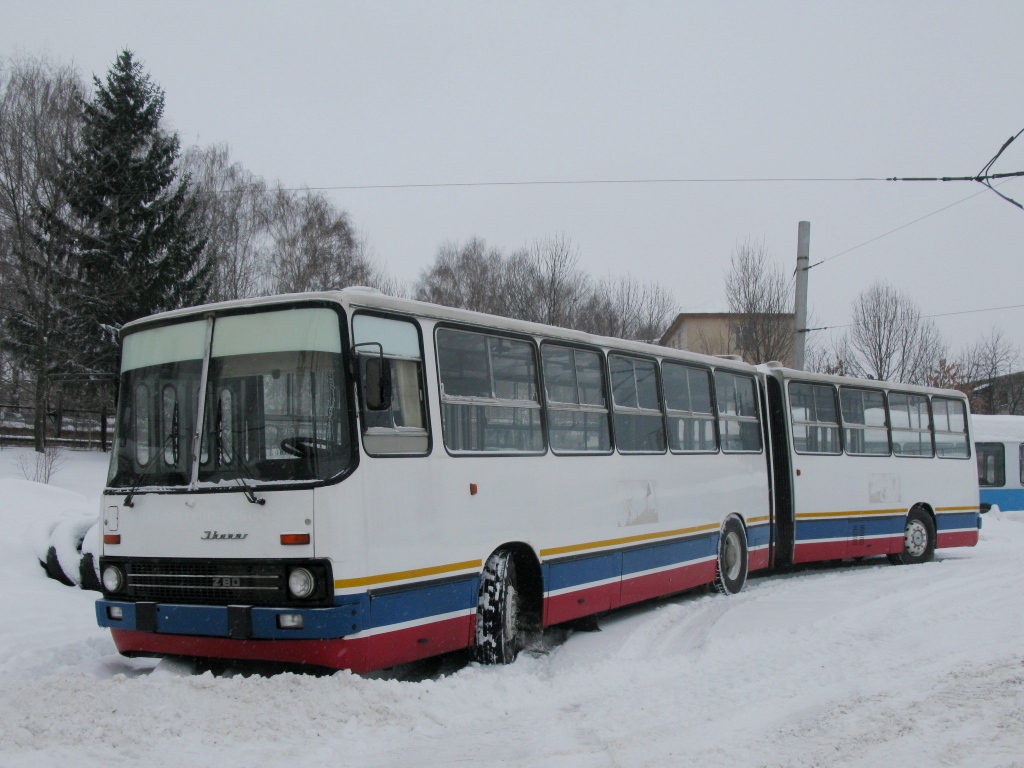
(918, 539)
(497, 613)
(731, 573)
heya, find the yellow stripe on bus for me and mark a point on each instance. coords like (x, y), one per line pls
(956, 509)
(755, 520)
(853, 513)
(384, 578)
(626, 540)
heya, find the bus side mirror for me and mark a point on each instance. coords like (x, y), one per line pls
(377, 384)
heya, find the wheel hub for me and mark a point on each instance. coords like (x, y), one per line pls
(916, 538)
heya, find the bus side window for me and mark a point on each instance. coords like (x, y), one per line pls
(911, 426)
(950, 420)
(738, 424)
(691, 423)
(865, 426)
(991, 465)
(639, 424)
(576, 404)
(490, 401)
(397, 427)
(815, 420)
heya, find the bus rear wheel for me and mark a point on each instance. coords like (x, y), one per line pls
(498, 633)
(731, 573)
(918, 539)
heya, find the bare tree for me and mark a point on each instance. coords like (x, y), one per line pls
(40, 108)
(543, 283)
(889, 340)
(234, 210)
(987, 366)
(761, 295)
(469, 276)
(628, 308)
(315, 247)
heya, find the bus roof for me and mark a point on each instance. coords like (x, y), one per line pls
(368, 298)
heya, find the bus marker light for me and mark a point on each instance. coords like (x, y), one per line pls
(115, 612)
(295, 538)
(289, 621)
(472, 489)
(111, 538)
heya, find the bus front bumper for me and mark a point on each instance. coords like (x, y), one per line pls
(238, 622)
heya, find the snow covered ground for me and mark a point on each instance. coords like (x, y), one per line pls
(860, 665)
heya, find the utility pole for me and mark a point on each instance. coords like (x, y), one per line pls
(803, 257)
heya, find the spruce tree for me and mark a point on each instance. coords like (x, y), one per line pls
(134, 223)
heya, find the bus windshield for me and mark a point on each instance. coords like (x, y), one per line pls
(275, 408)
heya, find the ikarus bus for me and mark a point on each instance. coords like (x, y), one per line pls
(350, 480)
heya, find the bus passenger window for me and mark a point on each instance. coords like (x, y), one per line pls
(400, 427)
(865, 427)
(170, 419)
(911, 427)
(815, 421)
(225, 429)
(638, 420)
(991, 465)
(950, 420)
(691, 423)
(489, 396)
(577, 408)
(142, 425)
(738, 424)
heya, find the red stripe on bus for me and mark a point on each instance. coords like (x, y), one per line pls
(957, 539)
(359, 654)
(757, 560)
(666, 582)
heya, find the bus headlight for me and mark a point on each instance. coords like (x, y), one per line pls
(301, 582)
(113, 579)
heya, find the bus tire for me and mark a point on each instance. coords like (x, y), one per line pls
(918, 539)
(498, 633)
(731, 574)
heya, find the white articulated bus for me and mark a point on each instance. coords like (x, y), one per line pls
(354, 481)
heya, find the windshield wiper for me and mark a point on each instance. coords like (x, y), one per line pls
(250, 494)
(136, 484)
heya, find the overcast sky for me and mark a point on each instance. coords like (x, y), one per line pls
(347, 94)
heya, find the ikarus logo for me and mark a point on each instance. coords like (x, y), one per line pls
(210, 535)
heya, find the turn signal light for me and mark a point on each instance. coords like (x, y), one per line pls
(295, 538)
(111, 538)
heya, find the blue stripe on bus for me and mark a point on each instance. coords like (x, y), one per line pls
(619, 564)
(953, 521)
(841, 527)
(581, 570)
(670, 553)
(422, 602)
(1008, 499)
(757, 535)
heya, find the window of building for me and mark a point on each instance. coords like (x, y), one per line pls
(577, 408)
(950, 419)
(865, 426)
(815, 418)
(638, 418)
(489, 393)
(991, 465)
(691, 421)
(738, 424)
(911, 427)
